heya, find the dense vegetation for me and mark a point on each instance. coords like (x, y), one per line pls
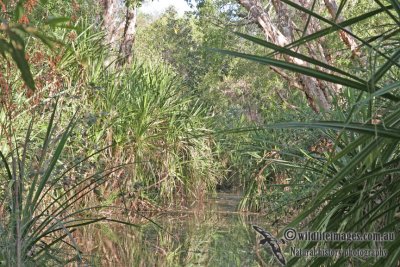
(295, 106)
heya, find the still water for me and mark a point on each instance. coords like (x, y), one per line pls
(210, 234)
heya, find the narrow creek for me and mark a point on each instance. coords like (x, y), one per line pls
(211, 234)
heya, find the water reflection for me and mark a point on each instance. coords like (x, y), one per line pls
(212, 234)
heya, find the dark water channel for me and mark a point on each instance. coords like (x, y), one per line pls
(211, 234)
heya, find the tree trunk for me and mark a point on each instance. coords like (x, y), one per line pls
(119, 30)
(111, 21)
(346, 38)
(318, 93)
(125, 50)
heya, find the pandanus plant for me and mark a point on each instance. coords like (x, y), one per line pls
(361, 188)
(39, 223)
